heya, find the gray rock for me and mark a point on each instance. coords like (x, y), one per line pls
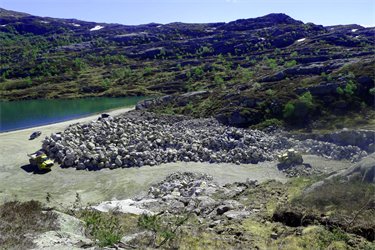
(235, 215)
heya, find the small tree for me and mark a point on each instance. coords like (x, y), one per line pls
(307, 98)
(350, 86)
(288, 110)
(339, 91)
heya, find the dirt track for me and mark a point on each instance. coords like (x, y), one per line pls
(18, 178)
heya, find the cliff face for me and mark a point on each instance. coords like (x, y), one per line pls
(250, 68)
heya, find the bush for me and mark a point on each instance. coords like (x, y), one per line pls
(350, 86)
(307, 98)
(162, 227)
(339, 91)
(372, 91)
(288, 110)
(103, 227)
(301, 109)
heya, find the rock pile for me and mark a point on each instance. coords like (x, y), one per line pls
(327, 149)
(194, 192)
(132, 142)
(185, 184)
(138, 139)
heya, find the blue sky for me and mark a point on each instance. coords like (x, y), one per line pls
(133, 12)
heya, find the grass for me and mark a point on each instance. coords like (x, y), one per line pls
(342, 201)
(21, 221)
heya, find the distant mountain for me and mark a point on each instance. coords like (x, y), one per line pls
(246, 71)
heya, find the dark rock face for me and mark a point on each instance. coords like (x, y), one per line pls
(365, 80)
(300, 109)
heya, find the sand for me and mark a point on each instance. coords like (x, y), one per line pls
(20, 180)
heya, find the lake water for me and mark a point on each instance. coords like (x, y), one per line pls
(31, 113)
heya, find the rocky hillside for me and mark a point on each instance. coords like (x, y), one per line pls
(243, 72)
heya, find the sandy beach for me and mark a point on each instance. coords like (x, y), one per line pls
(21, 180)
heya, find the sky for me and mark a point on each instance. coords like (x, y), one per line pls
(134, 12)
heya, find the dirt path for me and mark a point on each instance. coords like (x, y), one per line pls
(18, 178)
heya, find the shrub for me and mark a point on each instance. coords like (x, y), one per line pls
(166, 230)
(351, 75)
(372, 91)
(256, 85)
(294, 54)
(270, 92)
(105, 228)
(307, 98)
(288, 110)
(218, 79)
(339, 91)
(350, 86)
(290, 63)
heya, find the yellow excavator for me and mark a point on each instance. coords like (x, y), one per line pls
(40, 160)
(290, 157)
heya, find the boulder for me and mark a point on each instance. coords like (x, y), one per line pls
(366, 80)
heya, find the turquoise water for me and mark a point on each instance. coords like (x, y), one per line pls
(31, 113)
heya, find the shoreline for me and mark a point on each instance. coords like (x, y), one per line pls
(86, 118)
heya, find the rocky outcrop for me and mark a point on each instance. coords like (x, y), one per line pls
(70, 235)
(363, 170)
(75, 47)
(364, 139)
(145, 104)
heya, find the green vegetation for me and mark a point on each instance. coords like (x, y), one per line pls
(165, 230)
(59, 60)
(288, 110)
(306, 98)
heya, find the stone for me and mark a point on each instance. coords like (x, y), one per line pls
(235, 215)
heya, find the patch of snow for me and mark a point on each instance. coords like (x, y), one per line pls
(159, 26)
(301, 40)
(3, 25)
(77, 25)
(354, 30)
(97, 27)
(262, 38)
(356, 36)
(365, 26)
(44, 22)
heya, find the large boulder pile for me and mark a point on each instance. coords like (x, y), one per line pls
(130, 142)
(139, 139)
